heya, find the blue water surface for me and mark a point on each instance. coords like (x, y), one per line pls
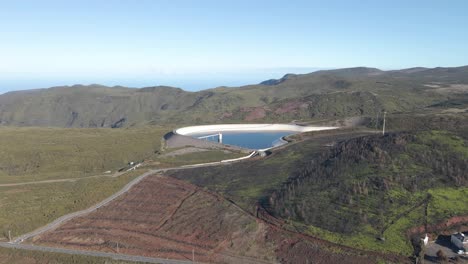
(250, 140)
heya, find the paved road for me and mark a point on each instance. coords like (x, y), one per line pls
(94, 254)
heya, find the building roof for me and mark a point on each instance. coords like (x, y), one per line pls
(460, 237)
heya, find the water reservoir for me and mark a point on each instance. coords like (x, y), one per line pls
(246, 139)
(251, 136)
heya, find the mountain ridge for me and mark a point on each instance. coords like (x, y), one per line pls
(318, 95)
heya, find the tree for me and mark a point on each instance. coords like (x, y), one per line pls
(422, 251)
(441, 256)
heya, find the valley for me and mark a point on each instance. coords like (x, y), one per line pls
(318, 96)
(233, 132)
(348, 195)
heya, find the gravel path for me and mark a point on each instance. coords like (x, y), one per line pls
(126, 188)
(94, 254)
(16, 243)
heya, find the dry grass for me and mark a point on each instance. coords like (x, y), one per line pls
(34, 154)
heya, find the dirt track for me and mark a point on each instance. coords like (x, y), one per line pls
(163, 217)
(160, 217)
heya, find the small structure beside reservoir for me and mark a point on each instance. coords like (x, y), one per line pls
(460, 241)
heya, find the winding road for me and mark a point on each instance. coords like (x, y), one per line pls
(67, 217)
(94, 254)
(109, 199)
(16, 242)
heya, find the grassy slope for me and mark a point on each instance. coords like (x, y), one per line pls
(326, 94)
(252, 182)
(90, 106)
(37, 154)
(194, 158)
(32, 154)
(319, 96)
(370, 200)
(28, 207)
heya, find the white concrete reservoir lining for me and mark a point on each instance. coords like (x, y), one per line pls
(248, 127)
(263, 133)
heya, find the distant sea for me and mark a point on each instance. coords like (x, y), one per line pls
(187, 82)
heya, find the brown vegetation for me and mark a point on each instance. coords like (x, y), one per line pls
(164, 217)
(169, 218)
(446, 227)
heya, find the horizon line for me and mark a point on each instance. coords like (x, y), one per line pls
(102, 82)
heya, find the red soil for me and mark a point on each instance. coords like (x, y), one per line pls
(256, 113)
(168, 218)
(456, 223)
(160, 217)
(291, 107)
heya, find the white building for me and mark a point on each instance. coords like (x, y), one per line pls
(425, 240)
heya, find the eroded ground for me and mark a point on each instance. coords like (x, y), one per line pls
(163, 217)
(169, 218)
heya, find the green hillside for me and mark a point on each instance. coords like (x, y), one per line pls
(34, 154)
(356, 187)
(378, 187)
(46, 173)
(314, 96)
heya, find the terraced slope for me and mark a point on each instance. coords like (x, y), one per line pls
(168, 218)
(160, 217)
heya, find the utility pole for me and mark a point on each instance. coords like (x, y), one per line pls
(377, 121)
(9, 235)
(383, 127)
(117, 247)
(193, 255)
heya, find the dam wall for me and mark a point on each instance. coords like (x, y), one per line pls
(248, 127)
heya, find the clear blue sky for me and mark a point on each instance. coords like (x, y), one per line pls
(200, 44)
